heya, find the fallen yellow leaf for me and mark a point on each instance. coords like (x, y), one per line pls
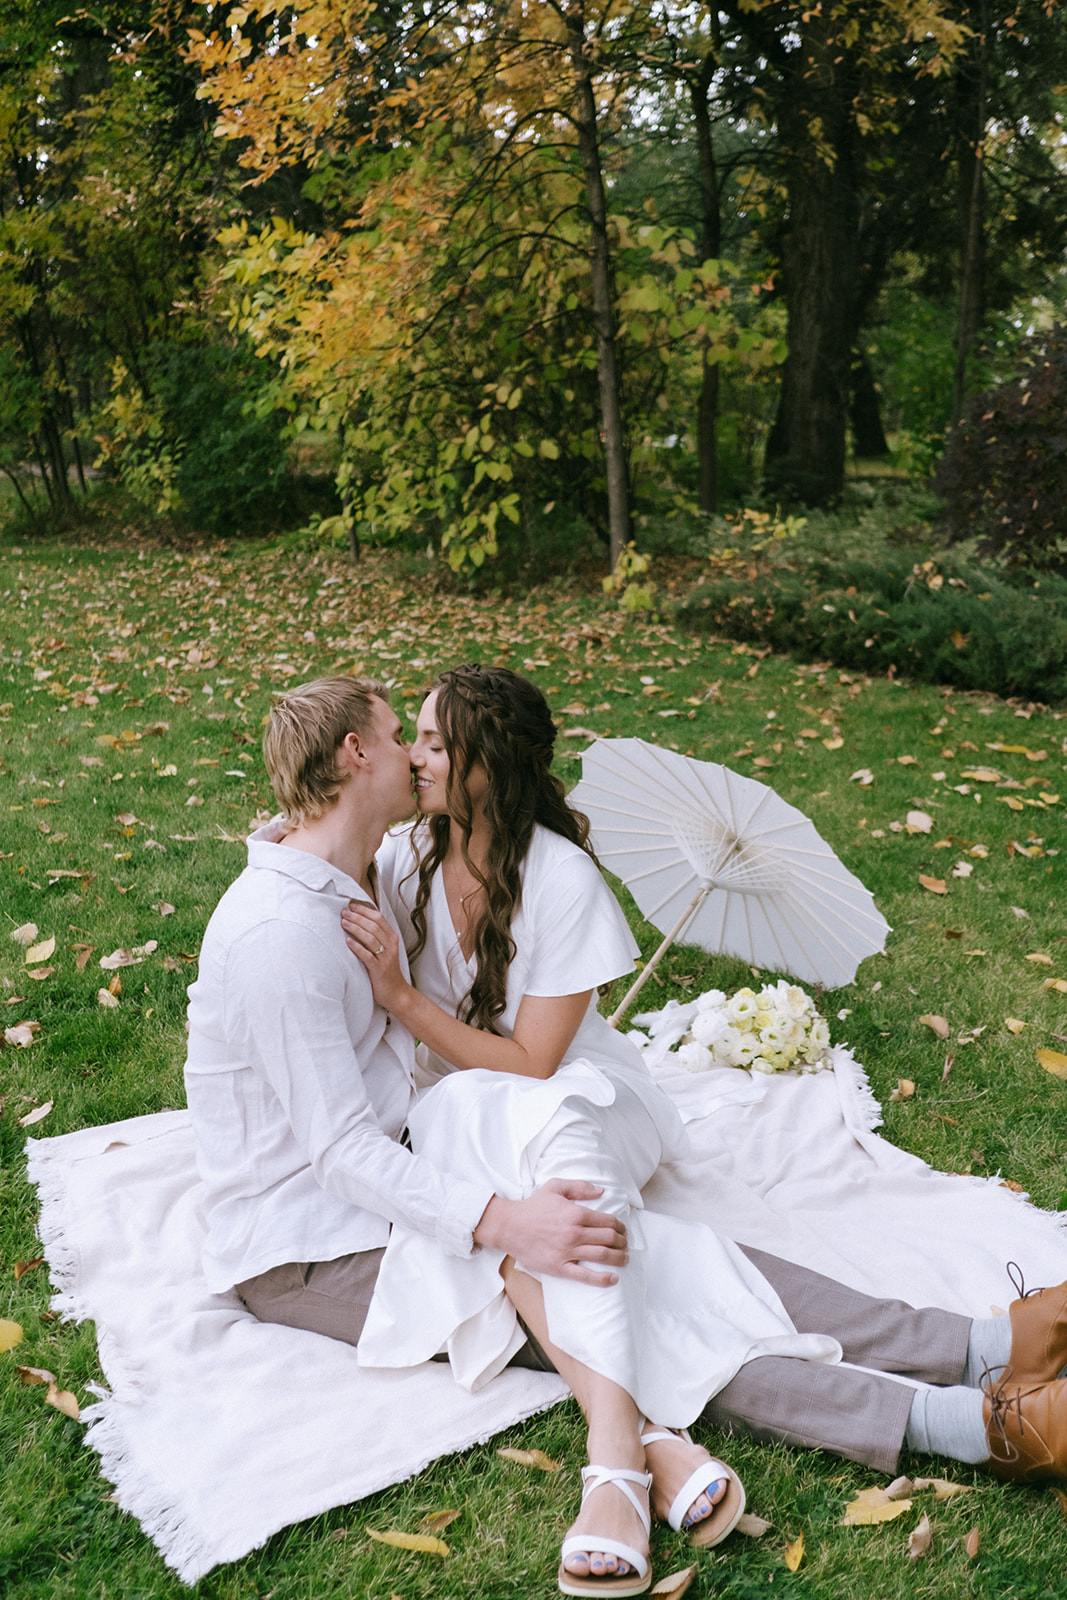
(675, 1584)
(908, 761)
(1053, 1062)
(904, 1090)
(63, 1401)
(919, 1539)
(422, 1542)
(1014, 1024)
(944, 1488)
(24, 935)
(437, 1521)
(1038, 957)
(982, 775)
(31, 1375)
(972, 1542)
(871, 1506)
(529, 1458)
(938, 1024)
(10, 1334)
(918, 822)
(1059, 984)
(794, 1553)
(37, 1115)
(40, 952)
(935, 885)
(755, 1527)
(831, 744)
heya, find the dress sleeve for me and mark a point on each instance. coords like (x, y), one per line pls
(398, 879)
(578, 937)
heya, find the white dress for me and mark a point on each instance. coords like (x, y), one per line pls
(689, 1308)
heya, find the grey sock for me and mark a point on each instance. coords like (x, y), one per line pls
(989, 1346)
(948, 1422)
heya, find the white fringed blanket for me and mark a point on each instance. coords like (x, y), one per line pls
(217, 1431)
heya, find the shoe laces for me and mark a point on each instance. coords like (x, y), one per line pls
(1003, 1402)
(1018, 1282)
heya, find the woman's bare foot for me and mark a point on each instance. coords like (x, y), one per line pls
(672, 1461)
(610, 1513)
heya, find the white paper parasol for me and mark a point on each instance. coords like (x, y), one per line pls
(720, 857)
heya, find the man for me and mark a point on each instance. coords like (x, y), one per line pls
(299, 1086)
(299, 1089)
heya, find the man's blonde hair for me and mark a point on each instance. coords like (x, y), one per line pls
(305, 728)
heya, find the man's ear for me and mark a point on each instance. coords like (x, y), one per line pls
(351, 755)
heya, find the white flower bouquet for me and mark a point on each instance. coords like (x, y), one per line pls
(776, 1029)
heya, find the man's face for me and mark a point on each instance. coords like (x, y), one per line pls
(390, 763)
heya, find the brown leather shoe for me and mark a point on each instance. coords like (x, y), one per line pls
(1038, 1337)
(1027, 1432)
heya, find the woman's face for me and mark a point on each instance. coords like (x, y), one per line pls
(431, 766)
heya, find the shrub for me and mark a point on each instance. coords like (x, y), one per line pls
(943, 622)
(1004, 473)
(198, 437)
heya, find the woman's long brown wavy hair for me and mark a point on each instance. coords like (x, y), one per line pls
(495, 719)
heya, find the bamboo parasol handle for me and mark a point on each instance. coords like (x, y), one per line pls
(686, 917)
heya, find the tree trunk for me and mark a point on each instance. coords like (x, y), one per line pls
(711, 245)
(805, 456)
(971, 101)
(865, 415)
(603, 300)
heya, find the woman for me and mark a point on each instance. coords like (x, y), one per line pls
(510, 929)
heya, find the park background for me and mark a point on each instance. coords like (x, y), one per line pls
(707, 365)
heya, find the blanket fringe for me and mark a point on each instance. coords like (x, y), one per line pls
(64, 1264)
(865, 1104)
(169, 1528)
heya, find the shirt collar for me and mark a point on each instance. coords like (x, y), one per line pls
(267, 853)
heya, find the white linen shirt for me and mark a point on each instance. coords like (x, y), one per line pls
(299, 1085)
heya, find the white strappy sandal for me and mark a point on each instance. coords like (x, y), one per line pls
(635, 1582)
(724, 1515)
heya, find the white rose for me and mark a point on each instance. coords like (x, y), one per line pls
(776, 1036)
(794, 1001)
(710, 1000)
(693, 1057)
(742, 1007)
(710, 1027)
(820, 1036)
(740, 1049)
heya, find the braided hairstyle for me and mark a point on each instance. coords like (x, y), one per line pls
(492, 718)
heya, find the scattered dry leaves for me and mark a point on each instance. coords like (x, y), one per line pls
(919, 1539)
(437, 1521)
(529, 1458)
(751, 1525)
(37, 1115)
(871, 1506)
(675, 1584)
(938, 1024)
(424, 1543)
(1053, 1061)
(22, 1034)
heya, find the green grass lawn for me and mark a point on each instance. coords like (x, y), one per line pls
(132, 693)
